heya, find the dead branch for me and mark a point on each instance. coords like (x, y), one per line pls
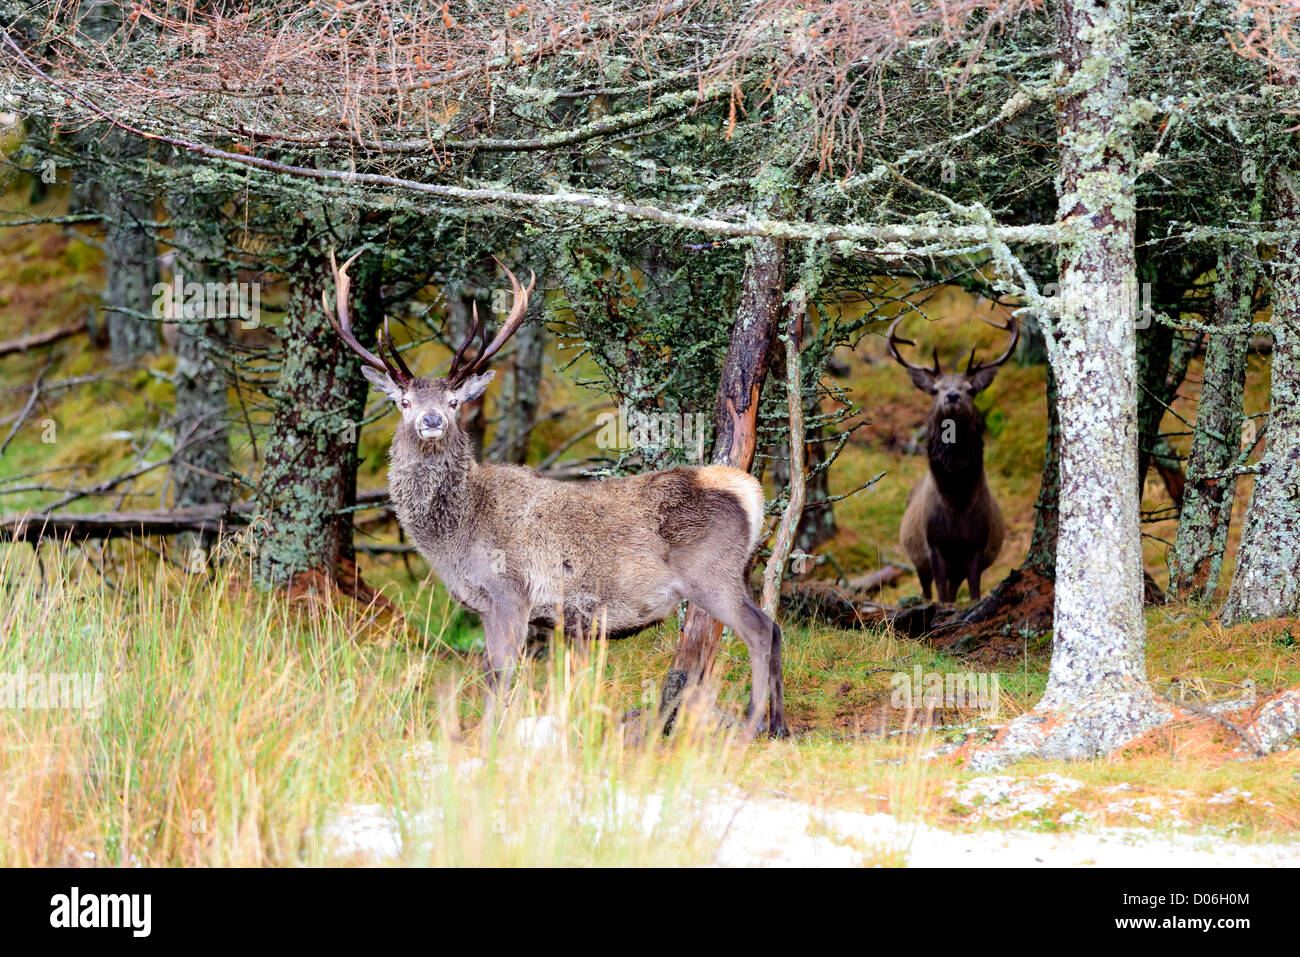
(41, 338)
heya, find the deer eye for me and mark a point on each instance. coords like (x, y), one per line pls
(452, 403)
(406, 403)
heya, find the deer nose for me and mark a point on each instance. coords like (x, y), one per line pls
(953, 396)
(433, 420)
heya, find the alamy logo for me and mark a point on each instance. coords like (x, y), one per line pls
(102, 910)
(652, 430)
(36, 690)
(935, 690)
(179, 299)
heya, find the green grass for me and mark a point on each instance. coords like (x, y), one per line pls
(234, 724)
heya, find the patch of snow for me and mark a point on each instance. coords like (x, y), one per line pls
(996, 797)
(769, 832)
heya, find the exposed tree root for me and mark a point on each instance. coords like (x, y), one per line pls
(1276, 721)
(347, 581)
(1136, 721)
(1019, 606)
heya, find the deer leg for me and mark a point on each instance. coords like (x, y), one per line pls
(926, 578)
(973, 576)
(942, 581)
(776, 725)
(739, 613)
(505, 628)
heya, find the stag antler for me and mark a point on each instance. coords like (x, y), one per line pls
(395, 369)
(1013, 327)
(459, 372)
(893, 350)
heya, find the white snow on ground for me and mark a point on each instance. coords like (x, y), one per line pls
(786, 833)
(789, 834)
(782, 833)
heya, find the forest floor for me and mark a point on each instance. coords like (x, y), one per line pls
(236, 727)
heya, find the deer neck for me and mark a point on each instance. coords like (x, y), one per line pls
(429, 483)
(956, 453)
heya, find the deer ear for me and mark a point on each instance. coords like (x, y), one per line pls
(922, 379)
(983, 379)
(474, 386)
(382, 382)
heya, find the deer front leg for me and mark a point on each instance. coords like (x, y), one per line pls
(505, 626)
(973, 574)
(942, 577)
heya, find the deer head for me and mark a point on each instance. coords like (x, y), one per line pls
(429, 407)
(954, 392)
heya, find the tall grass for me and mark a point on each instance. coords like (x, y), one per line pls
(240, 728)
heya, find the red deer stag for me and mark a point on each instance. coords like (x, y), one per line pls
(519, 548)
(952, 529)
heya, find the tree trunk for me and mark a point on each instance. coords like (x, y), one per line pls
(130, 253)
(131, 256)
(1197, 556)
(789, 525)
(201, 429)
(1266, 582)
(522, 394)
(1155, 345)
(745, 368)
(1097, 696)
(308, 482)
(1042, 546)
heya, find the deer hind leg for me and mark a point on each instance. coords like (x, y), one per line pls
(739, 613)
(776, 725)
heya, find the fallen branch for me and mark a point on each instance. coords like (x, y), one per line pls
(32, 527)
(41, 338)
(875, 581)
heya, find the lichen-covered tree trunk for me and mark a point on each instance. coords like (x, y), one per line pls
(817, 525)
(1197, 557)
(131, 256)
(309, 478)
(749, 356)
(201, 426)
(1266, 581)
(130, 253)
(1097, 696)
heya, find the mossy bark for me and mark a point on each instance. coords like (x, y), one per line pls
(1097, 695)
(308, 481)
(127, 204)
(131, 256)
(201, 425)
(1266, 581)
(1196, 560)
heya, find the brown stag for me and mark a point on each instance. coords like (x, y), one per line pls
(953, 529)
(517, 547)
